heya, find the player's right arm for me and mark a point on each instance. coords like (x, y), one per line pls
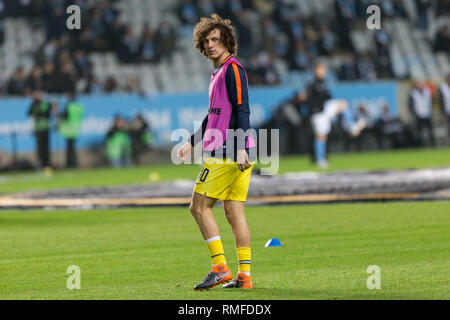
(186, 149)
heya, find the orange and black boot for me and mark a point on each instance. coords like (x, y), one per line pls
(242, 281)
(218, 275)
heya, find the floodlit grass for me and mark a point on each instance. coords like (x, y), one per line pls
(158, 253)
(404, 159)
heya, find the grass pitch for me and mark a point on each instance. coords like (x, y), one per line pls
(158, 253)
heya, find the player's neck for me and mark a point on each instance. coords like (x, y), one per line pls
(219, 61)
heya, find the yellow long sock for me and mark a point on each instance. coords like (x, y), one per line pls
(216, 250)
(245, 259)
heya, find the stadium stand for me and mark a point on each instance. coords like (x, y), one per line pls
(136, 45)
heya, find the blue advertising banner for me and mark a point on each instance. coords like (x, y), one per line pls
(371, 95)
(166, 112)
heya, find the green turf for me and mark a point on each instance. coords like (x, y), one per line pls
(99, 177)
(404, 159)
(158, 253)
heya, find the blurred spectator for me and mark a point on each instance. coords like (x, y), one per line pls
(93, 86)
(97, 23)
(16, 85)
(141, 136)
(64, 57)
(269, 73)
(222, 9)
(148, 49)
(281, 13)
(110, 85)
(188, 12)
(65, 79)
(423, 7)
(345, 15)
(82, 64)
(348, 69)
(109, 13)
(327, 41)
(444, 99)
(261, 69)
(269, 34)
(114, 33)
(244, 32)
(420, 105)
(281, 47)
(388, 8)
(391, 127)
(382, 41)
(2, 86)
(383, 62)
(55, 18)
(392, 8)
(442, 8)
(265, 7)
(442, 40)
(235, 7)
(129, 47)
(84, 41)
(70, 121)
(25, 8)
(361, 7)
(2, 15)
(255, 72)
(118, 144)
(301, 60)
(295, 28)
(366, 67)
(131, 85)
(205, 8)
(373, 128)
(49, 78)
(34, 81)
(165, 38)
(41, 112)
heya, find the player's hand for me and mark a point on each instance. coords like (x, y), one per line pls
(242, 160)
(185, 151)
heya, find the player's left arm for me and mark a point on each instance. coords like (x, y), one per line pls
(236, 82)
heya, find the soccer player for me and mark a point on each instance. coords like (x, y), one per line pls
(226, 171)
(324, 109)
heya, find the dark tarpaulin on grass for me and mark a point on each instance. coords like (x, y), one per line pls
(302, 187)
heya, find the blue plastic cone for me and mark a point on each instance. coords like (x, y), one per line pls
(273, 243)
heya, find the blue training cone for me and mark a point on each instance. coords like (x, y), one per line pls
(273, 243)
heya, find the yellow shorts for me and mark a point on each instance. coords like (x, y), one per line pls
(223, 180)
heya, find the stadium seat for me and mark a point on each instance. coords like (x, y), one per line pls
(411, 9)
(398, 63)
(305, 9)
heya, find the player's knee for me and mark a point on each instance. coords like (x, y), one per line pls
(228, 214)
(231, 215)
(195, 210)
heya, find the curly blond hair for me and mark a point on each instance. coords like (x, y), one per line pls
(227, 34)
